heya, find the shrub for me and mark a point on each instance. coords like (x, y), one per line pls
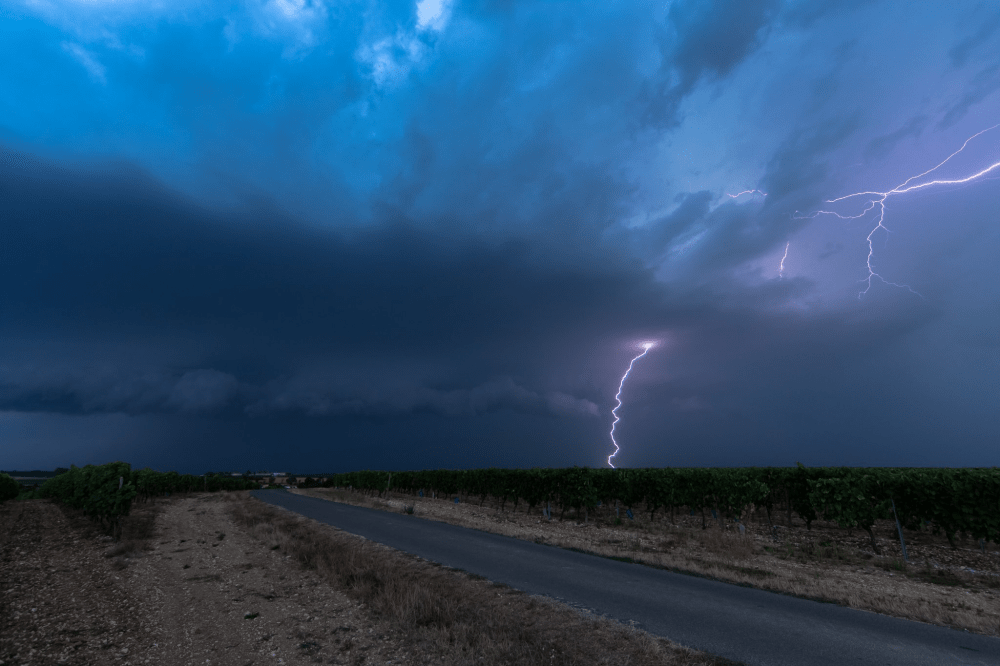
(9, 488)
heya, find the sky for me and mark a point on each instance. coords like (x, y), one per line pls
(311, 235)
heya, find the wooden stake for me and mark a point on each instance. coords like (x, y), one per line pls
(899, 528)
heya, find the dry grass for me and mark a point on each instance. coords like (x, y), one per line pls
(137, 531)
(464, 618)
(958, 589)
(135, 534)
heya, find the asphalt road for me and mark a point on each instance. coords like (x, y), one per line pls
(746, 625)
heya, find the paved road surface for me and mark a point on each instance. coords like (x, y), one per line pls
(743, 624)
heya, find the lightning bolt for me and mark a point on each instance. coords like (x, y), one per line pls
(739, 194)
(877, 200)
(646, 346)
(781, 268)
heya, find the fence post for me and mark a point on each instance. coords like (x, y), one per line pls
(899, 528)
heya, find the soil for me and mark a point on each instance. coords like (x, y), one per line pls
(203, 593)
(225, 579)
(186, 585)
(958, 588)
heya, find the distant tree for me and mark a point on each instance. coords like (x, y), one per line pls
(309, 482)
(9, 488)
(291, 481)
(60, 470)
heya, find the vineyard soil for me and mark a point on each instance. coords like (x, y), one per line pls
(954, 588)
(223, 579)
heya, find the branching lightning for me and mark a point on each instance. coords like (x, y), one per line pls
(877, 200)
(781, 267)
(646, 346)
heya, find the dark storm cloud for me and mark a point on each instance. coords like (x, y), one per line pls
(319, 398)
(985, 83)
(717, 36)
(980, 39)
(988, 24)
(215, 393)
(703, 39)
(393, 324)
(804, 14)
(829, 250)
(798, 164)
(344, 325)
(882, 145)
(116, 256)
(117, 391)
(706, 238)
(334, 228)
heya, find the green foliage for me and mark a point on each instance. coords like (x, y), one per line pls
(9, 488)
(30, 495)
(856, 499)
(105, 493)
(952, 501)
(736, 489)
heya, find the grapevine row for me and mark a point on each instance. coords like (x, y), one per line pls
(951, 501)
(105, 492)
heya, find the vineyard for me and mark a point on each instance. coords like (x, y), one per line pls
(105, 492)
(947, 501)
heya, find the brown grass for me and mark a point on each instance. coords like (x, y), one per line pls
(465, 618)
(825, 563)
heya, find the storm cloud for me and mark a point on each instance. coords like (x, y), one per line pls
(329, 236)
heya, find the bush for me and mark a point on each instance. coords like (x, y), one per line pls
(9, 488)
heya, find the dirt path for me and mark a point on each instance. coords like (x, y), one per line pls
(61, 602)
(226, 579)
(184, 602)
(216, 596)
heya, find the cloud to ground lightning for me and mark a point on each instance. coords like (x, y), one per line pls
(873, 200)
(646, 346)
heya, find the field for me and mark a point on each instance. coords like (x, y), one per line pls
(223, 579)
(958, 588)
(136, 567)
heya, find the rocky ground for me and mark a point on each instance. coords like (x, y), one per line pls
(223, 579)
(201, 592)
